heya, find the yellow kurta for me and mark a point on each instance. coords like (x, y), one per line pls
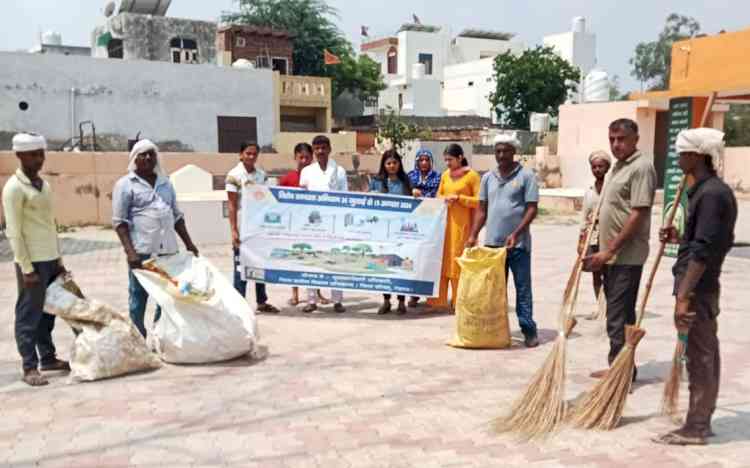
(460, 213)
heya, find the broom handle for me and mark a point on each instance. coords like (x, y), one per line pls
(575, 274)
(670, 219)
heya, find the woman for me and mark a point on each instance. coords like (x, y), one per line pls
(393, 180)
(424, 183)
(600, 162)
(459, 186)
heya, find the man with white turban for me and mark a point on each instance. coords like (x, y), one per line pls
(708, 237)
(147, 220)
(32, 232)
(508, 198)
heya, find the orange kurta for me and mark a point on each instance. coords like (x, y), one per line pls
(458, 227)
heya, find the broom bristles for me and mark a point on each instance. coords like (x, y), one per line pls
(541, 408)
(671, 396)
(602, 408)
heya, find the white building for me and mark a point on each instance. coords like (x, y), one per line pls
(430, 74)
(577, 46)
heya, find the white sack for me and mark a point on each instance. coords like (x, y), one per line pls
(203, 318)
(108, 344)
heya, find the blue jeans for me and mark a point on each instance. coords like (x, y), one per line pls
(241, 286)
(137, 300)
(518, 261)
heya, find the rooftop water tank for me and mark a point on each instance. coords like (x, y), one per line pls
(52, 38)
(244, 63)
(596, 86)
(579, 24)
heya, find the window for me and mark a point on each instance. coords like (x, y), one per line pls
(115, 49)
(279, 64)
(184, 50)
(240, 42)
(392, 61)
(426, 59)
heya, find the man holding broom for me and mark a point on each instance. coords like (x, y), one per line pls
(624, 226)
(708, 237)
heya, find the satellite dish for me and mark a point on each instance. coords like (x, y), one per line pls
(109, 9)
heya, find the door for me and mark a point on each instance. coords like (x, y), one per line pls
(234, 130)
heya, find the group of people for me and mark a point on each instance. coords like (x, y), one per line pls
(503, 201)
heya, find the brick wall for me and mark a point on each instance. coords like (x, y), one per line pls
(255, 45)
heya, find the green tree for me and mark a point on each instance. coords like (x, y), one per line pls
(652, 60)
(312, 24)
(394, 129)
(737, 125)
(538, 80)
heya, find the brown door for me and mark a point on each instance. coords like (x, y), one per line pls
(234, 130)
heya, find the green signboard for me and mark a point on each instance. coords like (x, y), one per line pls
(680, 118)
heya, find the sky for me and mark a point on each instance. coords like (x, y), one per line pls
(618, 26)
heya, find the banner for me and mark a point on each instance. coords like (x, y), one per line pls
(342, 240)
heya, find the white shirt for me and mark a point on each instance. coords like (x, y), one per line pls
(333, 178)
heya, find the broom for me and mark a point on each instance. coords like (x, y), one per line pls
(669, 404)
(541, 408)
(602, 407)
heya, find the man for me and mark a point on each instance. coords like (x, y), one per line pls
(624, 226)
(508, 198)
(32, 232)
(147, 221)
(708, 237)
(243, 174)
(324, 175)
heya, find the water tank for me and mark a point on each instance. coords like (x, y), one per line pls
(145, 7)
(243, 63)
(52, 38)
(417, 71)
(539, 122)
(579, 24)
(596, 86)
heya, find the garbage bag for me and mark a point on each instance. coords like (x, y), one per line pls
(482, 303)
(107, 343)
(203, 319)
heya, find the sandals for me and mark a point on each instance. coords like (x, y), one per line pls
(309, 308)
(678, 438)
(413, 301)
(401, 309)
(293, 302)
(34, 378)
(56, 365)
(384, 309)
(267, 309)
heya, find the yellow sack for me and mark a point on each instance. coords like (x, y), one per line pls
(482, 303)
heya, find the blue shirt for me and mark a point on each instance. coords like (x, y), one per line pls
(428, 185)
(395, 187)
(506, 204)
(150, 213)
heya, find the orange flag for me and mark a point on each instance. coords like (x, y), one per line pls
(330, 59)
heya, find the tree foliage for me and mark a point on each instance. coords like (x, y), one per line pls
(737, 125)
(395, 130)
(538, 80)
(312, 24)
(651, 61)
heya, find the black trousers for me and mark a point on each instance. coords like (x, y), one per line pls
(33, 325)
(703, 362)
(621, 283)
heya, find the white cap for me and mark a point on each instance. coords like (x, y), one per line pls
(23, 142)
(508, 140)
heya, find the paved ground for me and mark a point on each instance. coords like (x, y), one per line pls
(358, 389)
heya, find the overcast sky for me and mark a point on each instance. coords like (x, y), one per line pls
(618, 28)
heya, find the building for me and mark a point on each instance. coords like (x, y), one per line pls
(136, 36)
(263, 47)
(430, 74)
(578, 47)
(51, 43)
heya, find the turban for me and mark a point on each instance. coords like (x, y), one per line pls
(599, 154)
(23, 142)
(707, 141)
(141, 147)
(508, 140)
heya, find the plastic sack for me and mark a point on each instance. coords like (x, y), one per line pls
(203, 318)
(482, 303)
(107, 343)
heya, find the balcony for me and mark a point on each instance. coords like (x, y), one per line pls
(304, 91)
